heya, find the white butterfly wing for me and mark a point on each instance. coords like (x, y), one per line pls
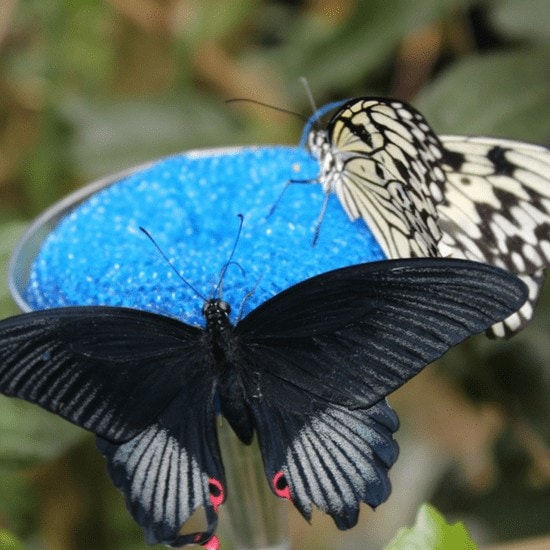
(496, 209)
(477, 198)
(381, 159)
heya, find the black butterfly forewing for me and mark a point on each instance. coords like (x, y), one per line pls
(353, 335)
(109, 370)
(143, 383)
(308, 365)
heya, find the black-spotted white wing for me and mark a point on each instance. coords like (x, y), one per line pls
(478, 198)
(327, 351)
(496, 209)
(142, 383)
(382, 160)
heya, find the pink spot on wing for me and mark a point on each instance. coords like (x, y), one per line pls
(280, 485)
(217, 493)
(212, 543)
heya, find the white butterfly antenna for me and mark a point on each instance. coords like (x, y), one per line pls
(169, 262)
(281, 110)
(304, 81)
(311, 121)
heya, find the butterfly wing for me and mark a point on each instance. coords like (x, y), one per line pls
(496, 209)
(319, 358)
(324, 454)
(172, 468)
(381, 159)
(353, 335)
(109, 370)
(143, 384)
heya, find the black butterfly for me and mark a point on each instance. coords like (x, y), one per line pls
(307, 371)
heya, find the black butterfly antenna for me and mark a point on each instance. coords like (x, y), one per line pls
(217, 289)
(150, 237)
(247, 296)
(262, 104)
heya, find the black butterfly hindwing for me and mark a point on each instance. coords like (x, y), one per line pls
(307, 366)
(169, 470)
(325, 454)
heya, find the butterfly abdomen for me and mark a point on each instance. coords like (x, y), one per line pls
(218, 332)
(234, 406)
(223, 346)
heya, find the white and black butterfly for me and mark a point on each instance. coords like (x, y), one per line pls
(307, 371)
(382, 161)
(421, 194)
(496, 209)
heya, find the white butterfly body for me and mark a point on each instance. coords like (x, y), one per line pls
(478, 198)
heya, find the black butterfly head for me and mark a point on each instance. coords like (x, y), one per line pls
(216, 312)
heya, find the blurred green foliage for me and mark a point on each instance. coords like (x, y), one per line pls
(430, 530)
(9, 542)
(90, 87)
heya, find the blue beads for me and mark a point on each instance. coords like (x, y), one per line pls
(189, 204)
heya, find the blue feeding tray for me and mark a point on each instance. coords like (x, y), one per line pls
(89, 250)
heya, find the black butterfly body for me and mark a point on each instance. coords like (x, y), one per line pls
(478, 198)
(307, 372)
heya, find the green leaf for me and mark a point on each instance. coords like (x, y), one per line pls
(9, 542)
(19, 502)
(214, 20)
(112, 135)
(432, 531)
(529, 19)
(477, 96)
